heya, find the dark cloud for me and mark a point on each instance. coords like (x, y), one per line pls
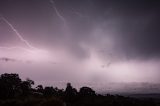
(133, 25)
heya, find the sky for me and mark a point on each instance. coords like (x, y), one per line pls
(81, 41)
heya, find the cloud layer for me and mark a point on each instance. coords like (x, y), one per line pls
(87, 39)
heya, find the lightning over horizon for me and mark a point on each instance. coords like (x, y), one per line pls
(88, 40)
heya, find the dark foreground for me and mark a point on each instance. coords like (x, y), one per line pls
(15, 92)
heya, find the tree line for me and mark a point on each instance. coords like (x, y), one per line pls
(11, 86)
(17, 92)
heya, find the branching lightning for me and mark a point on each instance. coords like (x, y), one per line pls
(57, 12)
(61, 17)
(18, 34)
(31, 49)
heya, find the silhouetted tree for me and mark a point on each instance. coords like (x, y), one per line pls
(86, 91)
(40, 88)
(10, 85)
(49, 91)
(70, 92)
(60, 92)
(26, 87)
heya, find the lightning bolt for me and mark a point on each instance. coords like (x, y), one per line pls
(18, 34)
(31, 49)
(57, 12)
(61, 17)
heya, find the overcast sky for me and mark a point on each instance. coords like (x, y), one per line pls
(81, 40)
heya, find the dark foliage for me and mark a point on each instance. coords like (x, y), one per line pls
(86, 91)
(15, 92)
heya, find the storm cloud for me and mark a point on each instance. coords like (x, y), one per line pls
(133, 25)
(96, 36)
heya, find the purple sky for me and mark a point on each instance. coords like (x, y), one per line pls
(80, 41)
